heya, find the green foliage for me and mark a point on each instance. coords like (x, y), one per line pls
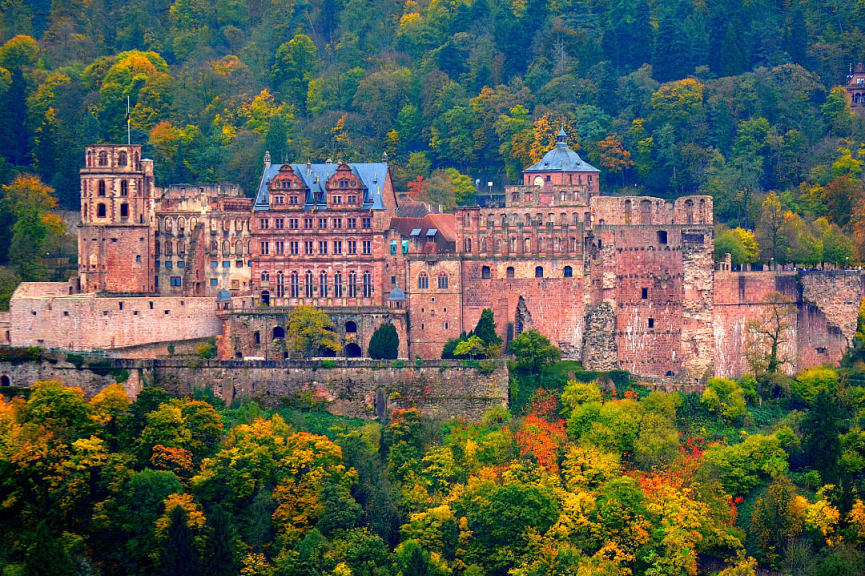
(309, 331)
(724, 397)
(384, 342)
(739, 243)
(532, 351)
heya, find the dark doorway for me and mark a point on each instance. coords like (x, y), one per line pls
(278, 332)
(5, 381)
(265, 298)
(350, 327)
(352, 350)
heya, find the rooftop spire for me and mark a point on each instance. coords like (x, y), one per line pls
(562, 138)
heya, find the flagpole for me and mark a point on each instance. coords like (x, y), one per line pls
(128, 129)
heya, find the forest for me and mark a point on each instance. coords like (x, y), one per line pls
(738, 99)
(587, 474)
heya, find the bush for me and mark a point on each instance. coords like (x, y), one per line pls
(532, 351)
(206, 350)
(21, 355)
(384, 343)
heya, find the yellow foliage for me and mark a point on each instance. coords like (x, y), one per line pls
(856, 519)
(194, 516)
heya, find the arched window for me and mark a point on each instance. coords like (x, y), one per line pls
(689, 211)
(352, 350)
(5, 380)
(422, 281)
(214, 248)
(337, 284)
(443, 281)
(169, 248)
(100, 210)
(280, 285)
(367, 285)
(350, 327)
(568, 272)
(226, 248)
(527, 245)
(627, 211)
(295, 285)
(645, 212)
(322, 284)
(352, 284)
(256, 337)
(278, 332)
(510, 272)
(485, 272)
(103, 158)
(539, 271)
(238, 248)
(309, 284)
(124, 188)
(265, 297)
(121, 158)
(102, 188)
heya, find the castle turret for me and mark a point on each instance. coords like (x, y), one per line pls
(115, 242)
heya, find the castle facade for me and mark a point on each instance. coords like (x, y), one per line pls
(618, 282)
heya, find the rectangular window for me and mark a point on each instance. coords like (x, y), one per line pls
(292, 200)
(280, 247)
(645, 293)
(175, 280)
(337, 222)
(367, 247)
(226, 264)
(157, 264)
(337, 199)
(322, 223)
(214, 282)
(352, 247)
(295, 250)
(651, 322)
(265, 248)
(168, 263)
(322, 247)
(405, 246)
(662, 237)
(238, 263)
(393, 246)
(307, 247)
(292, 223)
(280, 223)
(214, 264)
(337, 246)
(264, 223)
(181, 264)
(307, 222)
(352, 223)
(366, 222)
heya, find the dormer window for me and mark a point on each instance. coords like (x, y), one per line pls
(279, 199)
(292, 200)
(285, 184)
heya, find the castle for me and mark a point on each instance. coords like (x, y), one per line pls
(618, 282)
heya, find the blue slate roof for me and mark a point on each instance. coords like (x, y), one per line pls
(372, 175)
(397, 295)
(561, 159)
(223, 295)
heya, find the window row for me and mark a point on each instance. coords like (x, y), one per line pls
(510, 272)
(423, 281)
(101, 158)
(310, 247)
(309, 223)
(168, 225)
(527, 219)
(512, 245)
(293, 285)
(102, 211)
(102, 188)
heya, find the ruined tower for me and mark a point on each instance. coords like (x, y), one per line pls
(115, 239)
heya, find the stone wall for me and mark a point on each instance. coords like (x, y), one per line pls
(42, 315)
(362, 389)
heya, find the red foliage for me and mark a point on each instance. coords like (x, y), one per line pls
(545, 404)
(417, 188)
(541, 439)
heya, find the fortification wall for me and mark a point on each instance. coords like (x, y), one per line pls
(87, 322)
(818, 326)
(362, 389)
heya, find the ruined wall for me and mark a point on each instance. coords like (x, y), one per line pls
(434, 310)
(254, 333)
(42, 316)
(818, 326)
(355, 388)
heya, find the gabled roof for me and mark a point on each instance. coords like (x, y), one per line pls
(561, 159)
(372, 175)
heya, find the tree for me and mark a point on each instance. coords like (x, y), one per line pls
(486, 329)
(768, 335)
(384, 342)
(777, 519)
(310, 330)
(837, 112)
(30, 203)
(724, 397)
(769, 229)
(614, 156)
(532, 351)
(739, 243)
(178, 556)
(221, 557)
(295, 65)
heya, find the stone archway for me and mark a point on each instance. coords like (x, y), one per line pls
(352, 350)
(5, 380)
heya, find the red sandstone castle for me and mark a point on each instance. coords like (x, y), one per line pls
(615, 281)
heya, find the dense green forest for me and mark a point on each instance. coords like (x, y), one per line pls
(588, 474)
(728, 97)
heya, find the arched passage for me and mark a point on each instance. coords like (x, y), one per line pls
(5, 380)
(278, 332)
(352, 350)
(350, 327)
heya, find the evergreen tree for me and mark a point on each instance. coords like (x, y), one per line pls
(796, 42)
(178, 556)
(14, 136)
(221, 558)
(276, 140)
(384, 342)
(486, 328)
(671, 59)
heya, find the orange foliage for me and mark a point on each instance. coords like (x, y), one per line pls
(175, 460)
(545, 404)
(542, 439)
(417, 188)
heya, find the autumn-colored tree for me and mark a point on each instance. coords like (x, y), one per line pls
(768, 335)
(614, 156)
(310, 331)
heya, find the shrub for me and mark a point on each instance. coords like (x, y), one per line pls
(384, 343)
(206, 350)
